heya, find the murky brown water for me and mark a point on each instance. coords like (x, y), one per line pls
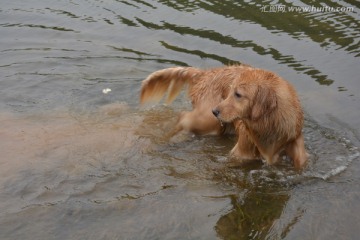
(76, 163)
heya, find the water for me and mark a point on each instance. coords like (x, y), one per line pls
(80, 164)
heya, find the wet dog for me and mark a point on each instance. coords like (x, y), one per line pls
(259, 106)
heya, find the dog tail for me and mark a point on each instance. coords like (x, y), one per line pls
(155, 86)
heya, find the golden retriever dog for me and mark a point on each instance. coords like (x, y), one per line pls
(259, 106)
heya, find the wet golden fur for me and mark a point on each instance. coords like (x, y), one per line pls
(258, 105)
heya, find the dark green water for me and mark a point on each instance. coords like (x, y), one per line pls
(76, 163)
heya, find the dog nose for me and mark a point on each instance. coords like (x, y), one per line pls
(216, 112)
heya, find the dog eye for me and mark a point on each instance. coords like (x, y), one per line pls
(237, 95)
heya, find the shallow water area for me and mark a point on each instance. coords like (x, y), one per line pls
(114, 164)
(80, 159)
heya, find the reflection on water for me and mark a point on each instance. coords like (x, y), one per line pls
(88, 165)
(252, 215)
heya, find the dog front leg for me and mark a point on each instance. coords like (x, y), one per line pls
(244, 149)
(296, 151)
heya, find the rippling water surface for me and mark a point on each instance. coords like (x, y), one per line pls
(77, 163)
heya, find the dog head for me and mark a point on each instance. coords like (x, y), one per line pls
(252, 96)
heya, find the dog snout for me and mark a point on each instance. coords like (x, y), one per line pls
(216, 112)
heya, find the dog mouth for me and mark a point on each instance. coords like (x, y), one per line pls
(221, 122)
(216, 113)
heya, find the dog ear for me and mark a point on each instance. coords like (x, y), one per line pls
(264, 102)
